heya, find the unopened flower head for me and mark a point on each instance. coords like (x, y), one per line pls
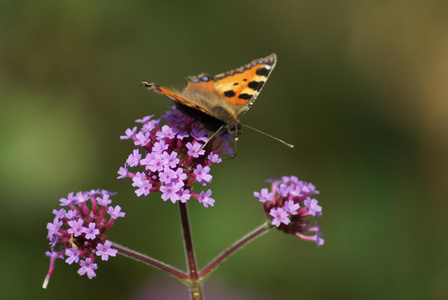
(173, 156)
(77, 233)
(289, 203)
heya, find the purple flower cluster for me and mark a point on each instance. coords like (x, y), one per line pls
(172, 157)
(289, 203)
(78, 230)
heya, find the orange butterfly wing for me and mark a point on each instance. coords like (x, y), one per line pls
(174, 96)
(241, 86)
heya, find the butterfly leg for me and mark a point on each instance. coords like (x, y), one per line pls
(217, 132)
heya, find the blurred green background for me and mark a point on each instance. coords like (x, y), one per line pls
(360, 87)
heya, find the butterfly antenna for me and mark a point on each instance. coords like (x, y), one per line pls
(271, 136)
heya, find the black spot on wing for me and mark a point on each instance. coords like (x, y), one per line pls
(245, 96)
(263, 72)
(256, 85)
(229, 93)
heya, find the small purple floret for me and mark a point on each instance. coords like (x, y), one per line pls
(87, 267)
(105, 250)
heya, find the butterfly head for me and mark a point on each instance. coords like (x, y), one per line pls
(235, 129)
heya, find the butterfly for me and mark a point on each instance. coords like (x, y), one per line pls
(220, 101)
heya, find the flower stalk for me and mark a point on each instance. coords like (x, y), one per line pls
(149, 261)
(264, 228)
(194, 279)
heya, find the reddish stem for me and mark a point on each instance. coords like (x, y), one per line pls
(188, 243)
(238, 245)
(195, 285)
(149, 261)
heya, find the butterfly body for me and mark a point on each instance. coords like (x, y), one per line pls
(220, 101)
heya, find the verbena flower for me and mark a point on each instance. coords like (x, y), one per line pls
(173, 156)
(289, 203)
(77, 232)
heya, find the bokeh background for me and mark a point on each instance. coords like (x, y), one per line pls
(360, 87)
